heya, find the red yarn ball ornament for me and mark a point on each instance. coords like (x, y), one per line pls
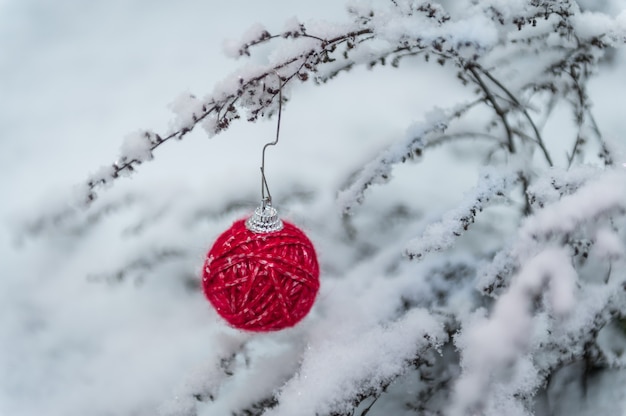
(261, 281)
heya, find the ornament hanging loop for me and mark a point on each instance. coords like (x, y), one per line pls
(265, 218)
(266, 196)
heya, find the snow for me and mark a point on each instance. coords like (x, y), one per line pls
(100, 307)
(187, 108)
(475, 30)
(441, 235)
(234, 49)
(600, 197)
(593, 24)
(334, 372)
(416, 139)
(491, 346)
(137, 146)
(608, 245)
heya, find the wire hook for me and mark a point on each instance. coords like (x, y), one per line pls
(267, 200)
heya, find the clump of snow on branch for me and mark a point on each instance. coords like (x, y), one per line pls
(187, 109)
(555, 184)
(599, 199)
(237, 48)
(137, 146)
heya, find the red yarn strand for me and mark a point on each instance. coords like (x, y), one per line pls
(261, 281)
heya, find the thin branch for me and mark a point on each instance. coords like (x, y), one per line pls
(376, 397)
(463, 135)
(579, 112)
(442, 234)
(525, 184)
(524, 111)
(570, 157)
(410, 148)
(586, 111)
(496, 107)
(227, 103)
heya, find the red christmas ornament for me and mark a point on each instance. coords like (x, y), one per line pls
(262, 274)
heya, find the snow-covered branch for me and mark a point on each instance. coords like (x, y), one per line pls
(587, 208)
(335, 375)
(442, 234)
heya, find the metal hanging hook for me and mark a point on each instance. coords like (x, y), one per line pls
(267, 199)
(265, 218)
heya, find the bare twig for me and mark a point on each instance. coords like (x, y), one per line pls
(496, 107)
(539, 139)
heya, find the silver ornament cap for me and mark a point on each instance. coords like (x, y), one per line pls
(265, 219)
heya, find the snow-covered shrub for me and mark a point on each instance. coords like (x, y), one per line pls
(510, 302)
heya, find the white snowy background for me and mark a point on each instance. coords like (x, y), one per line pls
(75, 78)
